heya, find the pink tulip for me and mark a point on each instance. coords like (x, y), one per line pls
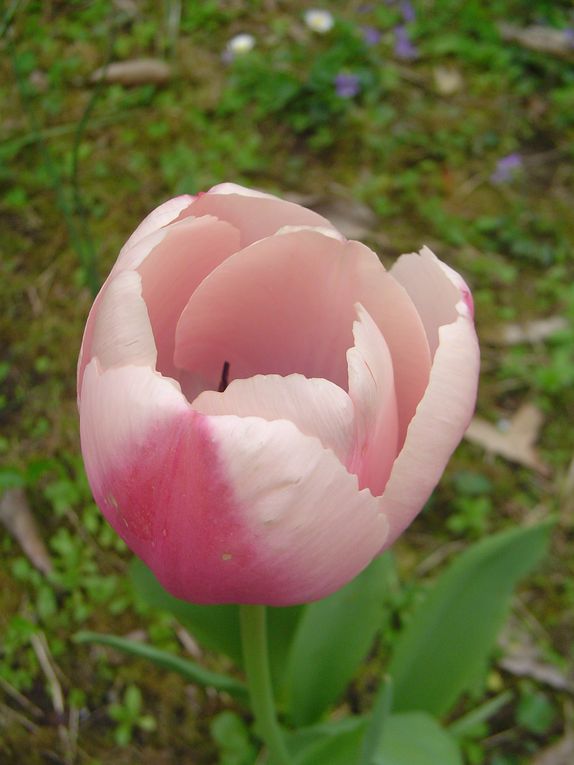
(263, 407)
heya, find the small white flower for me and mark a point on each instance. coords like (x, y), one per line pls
(318, 20)
(240, 44)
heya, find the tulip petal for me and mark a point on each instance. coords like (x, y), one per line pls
(332, 232)
(119, 409)
(173, 270)
(316, 407)
(438, 425)
(255, 214)
(372, 390)
(316, 530)
(242, 191)
(122, 332)
(131, 257)
(172, 262)
(395, 314)
(223, 508)
(283, 305)
(423, 276)
(164, 214)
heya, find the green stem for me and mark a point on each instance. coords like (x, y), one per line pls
(256, 657)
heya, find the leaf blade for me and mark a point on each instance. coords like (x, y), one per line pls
(332, 639)
(187, 669)
(411, 738)
(445, 646)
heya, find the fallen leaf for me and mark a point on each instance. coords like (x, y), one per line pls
(17, 517)
(522, 655)
(561, 753)
(557, 42)
(526, 663)
(526, 332)
(447, 80)
(354, 219)
(138, 71)
(128, 7)
(515, 442)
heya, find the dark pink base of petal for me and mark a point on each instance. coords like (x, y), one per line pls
(172, 506)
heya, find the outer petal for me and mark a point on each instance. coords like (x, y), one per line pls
(317, 407)
(372, 390)
(172, 260)
(223, 509)
(440, 422)
(130, 258)
(166, 213)
(122, 332)
(435, 297)
(316, 530)
(120, 410)
(255, 214)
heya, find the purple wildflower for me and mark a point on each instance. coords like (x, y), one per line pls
(407, 10)
(569, 35)
(403, 46)
(347, 85)
(371, 35)
(506, 168)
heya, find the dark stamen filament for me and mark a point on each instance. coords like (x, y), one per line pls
(224, 382)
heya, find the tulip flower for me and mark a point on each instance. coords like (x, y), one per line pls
(264, 408)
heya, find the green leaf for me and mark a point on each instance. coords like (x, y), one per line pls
(232, 738)
(188, 669)
(413, 738)
(333, 638)
(377, 722)
(217, 627)
(443, 650)
(536, 713)
(332, 743)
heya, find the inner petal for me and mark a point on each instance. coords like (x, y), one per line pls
(171, 272)
(283, 305)
(254, 215)
(372, 390)
(396, 316)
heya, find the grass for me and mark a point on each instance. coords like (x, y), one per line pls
(80, 165)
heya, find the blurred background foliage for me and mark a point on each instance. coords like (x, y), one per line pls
(440, 122)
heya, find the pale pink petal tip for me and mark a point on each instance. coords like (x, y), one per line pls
(468, 303)
(236, 188)
(158, 218)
